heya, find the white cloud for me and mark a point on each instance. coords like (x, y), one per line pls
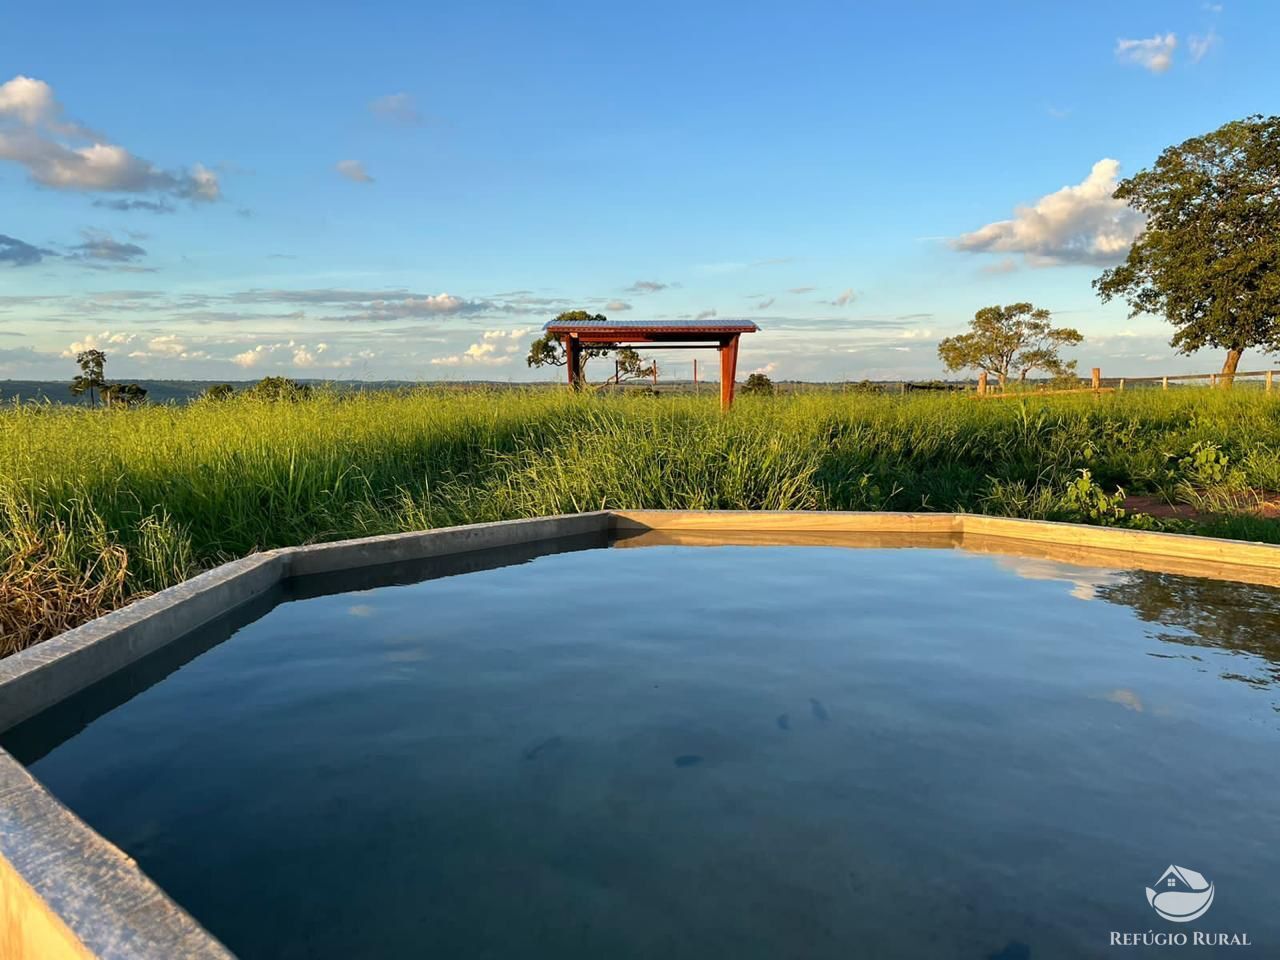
(487, 352)
(846, 297)
(399, 107)
(303, 356)
(65, 155)
(252, 357)
(1083, 223)
(31, 101)
(767, 369)
(1153, 53)
(617, 306)
(170, 344)
(99, 341)
(353, 170)
(1199, 46)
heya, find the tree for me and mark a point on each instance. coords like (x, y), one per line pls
(91, 378)
(219, 391)
(629, 365)
(279, 388)
(1208, 259)
(548, 350)
(1003, 339)
(123, 394)
(758, 383)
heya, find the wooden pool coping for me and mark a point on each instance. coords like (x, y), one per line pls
(67, 892)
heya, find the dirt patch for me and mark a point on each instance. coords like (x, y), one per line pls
(1260, 503)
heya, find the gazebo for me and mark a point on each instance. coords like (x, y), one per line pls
(663, 334)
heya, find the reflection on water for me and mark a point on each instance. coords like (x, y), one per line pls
(1241, 618)
(1084, 581)
(745, 751)
(1190, 611)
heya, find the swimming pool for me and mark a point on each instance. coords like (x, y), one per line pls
(749, 751)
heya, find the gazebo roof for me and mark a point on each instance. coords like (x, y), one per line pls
(624, 328)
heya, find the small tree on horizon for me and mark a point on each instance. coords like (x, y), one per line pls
(123, 394)
(547, 350)
(92, 376)
(1208, 260)
(758, 383)
(1018, 337)
(279, 388)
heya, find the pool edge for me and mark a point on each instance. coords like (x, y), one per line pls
(1214, 552)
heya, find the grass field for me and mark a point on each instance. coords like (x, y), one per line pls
(97, 507)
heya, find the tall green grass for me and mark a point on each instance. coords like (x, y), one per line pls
(99, 506)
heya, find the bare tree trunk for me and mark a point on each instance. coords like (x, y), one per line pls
(1003, 377)
(1229, 367)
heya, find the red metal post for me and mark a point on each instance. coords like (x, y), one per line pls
(728, 370)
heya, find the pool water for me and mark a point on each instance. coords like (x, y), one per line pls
(683, 752)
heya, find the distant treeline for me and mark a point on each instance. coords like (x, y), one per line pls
(184, 391)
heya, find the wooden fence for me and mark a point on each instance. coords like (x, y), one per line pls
(1098, 385)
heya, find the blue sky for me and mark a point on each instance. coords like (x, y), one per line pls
(410, 190)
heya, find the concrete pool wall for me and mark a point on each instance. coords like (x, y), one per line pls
(67, 892)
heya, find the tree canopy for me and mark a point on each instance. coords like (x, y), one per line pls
(758, 383)
(1208, 259)
(548, 350)
(124, 394)
(92, 376)
(279, 388)
(1018, 337)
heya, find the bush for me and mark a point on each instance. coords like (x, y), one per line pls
(759, 384)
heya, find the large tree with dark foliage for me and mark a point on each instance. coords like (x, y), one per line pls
(1209, 258)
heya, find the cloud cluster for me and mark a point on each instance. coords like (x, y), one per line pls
(64, 155)
(98, 341)
(641, 287)
(1200, 45)
(102, 247)
(19, 253)
(1083, 223)
(396, 107)
(1153, 53)
(293, 352)
(353, 170)
(495, 347)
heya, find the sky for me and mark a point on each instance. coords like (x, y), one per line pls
(402, 190)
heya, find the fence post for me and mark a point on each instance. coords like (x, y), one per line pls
(1268, 381)
(1164, 383)
(1213, 379)
(1121, 386)
(1096, 380)
(982, 384)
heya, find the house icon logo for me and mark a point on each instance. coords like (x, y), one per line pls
(1181, 895)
